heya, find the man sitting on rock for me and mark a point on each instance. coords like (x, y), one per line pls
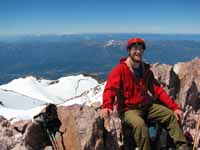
(132, 82)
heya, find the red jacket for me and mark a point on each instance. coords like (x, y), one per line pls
(130, 90)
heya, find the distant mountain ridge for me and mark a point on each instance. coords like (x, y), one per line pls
(54, 56)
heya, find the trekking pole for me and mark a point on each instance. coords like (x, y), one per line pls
(52, 139)
(196, 134)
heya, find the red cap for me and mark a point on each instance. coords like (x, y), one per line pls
(134, 41)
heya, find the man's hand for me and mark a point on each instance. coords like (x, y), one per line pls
(179, 114)
(105, 113)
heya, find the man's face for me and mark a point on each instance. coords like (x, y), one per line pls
(136, 52)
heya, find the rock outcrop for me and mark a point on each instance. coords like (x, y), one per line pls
(81, 129)
(181, 81)
(189, 76)
(11, 134)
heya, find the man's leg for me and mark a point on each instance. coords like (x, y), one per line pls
(167, 118)
(140, 130)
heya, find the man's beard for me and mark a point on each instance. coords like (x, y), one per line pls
(135, 60)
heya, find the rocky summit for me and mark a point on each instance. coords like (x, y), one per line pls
(82, 127)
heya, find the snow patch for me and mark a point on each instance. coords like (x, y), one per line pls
(51, 91)
(23, 98)
(109, 43)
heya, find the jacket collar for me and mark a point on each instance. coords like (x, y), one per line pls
(145, 66)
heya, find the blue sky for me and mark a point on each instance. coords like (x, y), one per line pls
(99, 16)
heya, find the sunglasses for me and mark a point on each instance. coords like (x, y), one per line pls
(136, 46)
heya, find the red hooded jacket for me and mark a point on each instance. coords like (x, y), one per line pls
(131, 91)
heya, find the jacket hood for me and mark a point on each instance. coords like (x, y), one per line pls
(123, 59)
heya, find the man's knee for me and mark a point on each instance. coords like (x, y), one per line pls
(138, 123)
(164, 113)
(169, 116)
(133, 119)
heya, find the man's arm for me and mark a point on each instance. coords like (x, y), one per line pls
(159, 93)
(110, 91)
